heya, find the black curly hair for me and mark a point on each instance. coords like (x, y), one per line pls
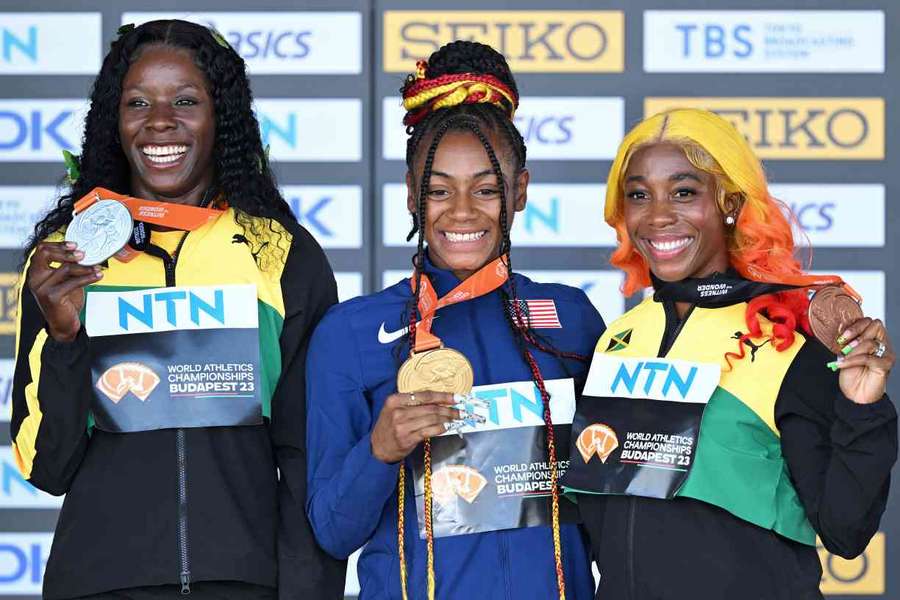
(241, 170)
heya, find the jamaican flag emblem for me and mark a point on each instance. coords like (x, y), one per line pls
(619, 341)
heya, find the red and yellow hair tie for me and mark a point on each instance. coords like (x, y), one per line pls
(427, 95)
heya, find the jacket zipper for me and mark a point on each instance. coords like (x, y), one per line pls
(629, 552)
(504, 562)
(665, 345)
(169, 263)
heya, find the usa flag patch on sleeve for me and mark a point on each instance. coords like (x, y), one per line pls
(539, 314)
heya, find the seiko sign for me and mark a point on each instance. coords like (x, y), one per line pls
(797, 128)
(548, 41)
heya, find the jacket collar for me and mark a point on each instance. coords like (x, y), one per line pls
(443, 280)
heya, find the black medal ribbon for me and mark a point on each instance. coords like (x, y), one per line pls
(140, 236)
(715, 291)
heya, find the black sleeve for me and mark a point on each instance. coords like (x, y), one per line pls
(305, 571)
(51, 399)
(839, 453)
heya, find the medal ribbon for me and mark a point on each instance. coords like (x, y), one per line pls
(166, 214)
(721, 290)
(484, 281)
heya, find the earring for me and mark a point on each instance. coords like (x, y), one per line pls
(729, 220)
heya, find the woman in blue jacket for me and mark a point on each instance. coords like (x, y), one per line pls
(493, 512)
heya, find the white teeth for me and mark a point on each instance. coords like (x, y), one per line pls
(670, 245)
(464, 237)
(161, 160)
(164, 150)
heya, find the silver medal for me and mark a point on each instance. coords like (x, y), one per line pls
(100, 231)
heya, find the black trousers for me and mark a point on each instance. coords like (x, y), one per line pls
(201, 590)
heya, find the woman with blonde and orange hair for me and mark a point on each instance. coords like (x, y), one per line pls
(714, 441)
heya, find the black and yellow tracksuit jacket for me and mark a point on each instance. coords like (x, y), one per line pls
(782, 455)
(180, 506)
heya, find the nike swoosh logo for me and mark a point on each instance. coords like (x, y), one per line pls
(388, 337)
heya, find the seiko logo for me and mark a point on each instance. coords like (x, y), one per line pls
(9, 302)
(792, 128)
(536, 41)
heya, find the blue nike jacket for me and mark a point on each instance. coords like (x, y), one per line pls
(352, 366)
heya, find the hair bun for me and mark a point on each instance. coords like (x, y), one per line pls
(463, 56)
(460, 72)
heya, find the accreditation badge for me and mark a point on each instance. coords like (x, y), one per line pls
(174, 357)
(636, 428)
(493, 473)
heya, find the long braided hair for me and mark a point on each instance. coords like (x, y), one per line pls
(443, 109)
(241, 170)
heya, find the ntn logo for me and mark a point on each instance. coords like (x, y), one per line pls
(11, 479)
(507, 404)
(284, 129)
(23, 43)
(670, 378)
(179, 305)
(549, 217)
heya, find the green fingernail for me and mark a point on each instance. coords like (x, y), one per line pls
(846, 349)
(833, 365)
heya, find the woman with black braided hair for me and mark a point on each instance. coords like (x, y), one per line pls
(163, 391)
(446, 516)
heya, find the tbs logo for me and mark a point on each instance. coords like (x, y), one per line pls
(715, 41)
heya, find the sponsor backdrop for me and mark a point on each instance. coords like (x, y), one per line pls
(808, 83)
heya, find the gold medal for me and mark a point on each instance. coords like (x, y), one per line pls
(438, 370)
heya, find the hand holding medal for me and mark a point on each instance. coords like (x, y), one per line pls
(59, 291)
(865, 354)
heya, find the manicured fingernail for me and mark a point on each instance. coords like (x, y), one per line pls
(849, 347)
(467, 416)
(71, 245)
(78, 254)
(833, 365)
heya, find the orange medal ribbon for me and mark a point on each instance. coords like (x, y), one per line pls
(484, 281)
(166, 214)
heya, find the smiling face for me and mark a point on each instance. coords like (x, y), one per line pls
(167, 126)
(671, 214)
(462, 209)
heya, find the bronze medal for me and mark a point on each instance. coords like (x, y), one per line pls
(831, 311)
(438, 370)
